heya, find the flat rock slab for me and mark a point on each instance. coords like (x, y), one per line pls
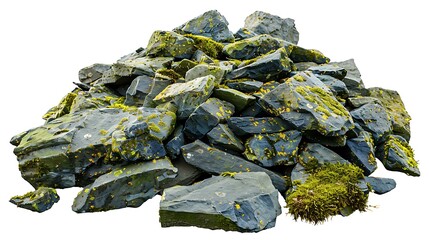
(224, 139)
(250, 125)
(245, 202)
(128, 186)
(361, 152)
(374, 119)
(215, 161)
(381, 185)
(39, 200)
(251, 47)
(170, 44)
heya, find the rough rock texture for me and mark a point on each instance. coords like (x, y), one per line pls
(209, 204)
(39, 200)
(381, 185)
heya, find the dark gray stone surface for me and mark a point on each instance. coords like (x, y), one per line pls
(39, 200)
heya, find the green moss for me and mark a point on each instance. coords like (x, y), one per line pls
(207, 45)
(153, 127)
(62, 108)
(327, 191)
(103, 132)
(169, 73)
(325, 102)
(228, 174)
(401, 146)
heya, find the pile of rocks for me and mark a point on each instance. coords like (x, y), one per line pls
(219, 123)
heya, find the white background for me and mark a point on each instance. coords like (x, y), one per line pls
(43, 44)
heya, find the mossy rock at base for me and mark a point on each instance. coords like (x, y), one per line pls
(39, 200)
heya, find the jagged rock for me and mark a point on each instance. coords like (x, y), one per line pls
(249, 125)
(183, 66)
(220, 203)
(39, 200)
(356, 102)
(253, 110)
(266, 88)
(352, 79)
(238, 99)
(265, 68)
(337, 87)
(140, 87)
(265, 23)
(187, 96)
(244, 33)
(361, 152)
(175, 143)
(298, 175)
(302, 66)
(374, 119)
(203, 70)
(63, 108)
(210, 24)
(397, 155)
(206, 116)
(92, 73)
(392, 102)
(333, 71)
(273, 149)
(381, 185)
(245, 85)
(307, 104)
(300, 54)
(158, 85)
(186, 174)
(251, 47)
(224, 139)
(200, 57)
(207, 45)
(215, 161)
(128, 186)
(328, 141)
(170, 44)
(314, 155)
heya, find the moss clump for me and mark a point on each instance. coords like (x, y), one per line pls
(327, 191)
(399, 146)
(62, 108)
(168, 73)
(207, 45)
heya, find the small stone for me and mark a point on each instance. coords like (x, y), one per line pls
(253, 110)
(183, 66)
(201, 57)
(374, 119)
(140, 87)
(327, 141)
(245, 85)
(39, 200)
(158, 85)
(361, 152)
(300, 54)
(381, 185)
(251, 47)
(92, 73)
(175, 143)
(337, 87)
(352, 79)
(203, 70)
(329, 70)
(302, 66)
(314, 155)
(224, 139)
(238, 99)
(357, 102)
(249, 125)
(244, 33)
(220, 203)
(170, 44)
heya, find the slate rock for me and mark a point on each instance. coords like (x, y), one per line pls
(207, 45)
(353, 78)
(206, 116)
(265, 23)
(266, 88)
(183, 66)
(249, 125)
(63, 108)
(220, 203)
(202, 70)
(307, 104)
(361, 152)
(314, 155)
(359, 101)
(397, 155)
(265, 68)
(337, 87)
(392, 102)
(186, 174)
(187, 96)
(224, 139)
(138, 90)
(327, 141)
(298, 175)
(170, 44)
(381, 185)
(302, 66)
(238, 99)
(253, 110)
(175, 143)
(273, 149)
(214, 161)
(374, 119)
(333, 71)
(39, 200)
(244, 85)
(201, 57)
(158, 85)
(300, 54)
(251, 47)
(244, 33)
(92, 73)
(128, 186)
(210, 24)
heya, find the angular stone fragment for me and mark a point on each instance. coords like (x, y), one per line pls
(397, 155)
(265, 23)
(307, 104)
(129, 186)
(214, 161)
(333, 71)
(253, 110)
(356, 102)
(186, 174)
(395, 108)
(200, 57)
(381, 185)
(361, 152)
(238, 99)
(203, 70)
(353, 79)
(302, 66)
(337, 87)
(249, 125)
(158, 85)
(273, 149)
(374, 119)
(187, 96)
(220, 203)
(170, 44)
(63, 108)
(327, 141)
(183, 66)
(210, 24)
(206, 116)
(39, 200)
(266, 88)
(315, 155)
(175, 143)
(251, 47)
(224, 139)
(300, 54)
(140, 87)
(244, 33)
(265, 68)
(245, 85)
(92, 73)
(298, 175)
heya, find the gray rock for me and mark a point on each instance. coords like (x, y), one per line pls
(244, 33)
(337, 87)
(266, 88)
(187, 96)
(210, 24)
(140, 87)
(273, 149)
(214, 161)
(39, 200)
(183, 66)
(92, 73)
(381, 185)
(359, 101)
(374, 119)
(397, 155)
(327, 141)
(186, 174)
(201, 57)
(353, 79)
(224, 139)
(128, 186)
(265, 23)
(238, 99)
(249, 125)
(314, 155)
(245, 85)
(203, 70)
(251, 47)
(302, 66)
(175, 143)
(329, 70)
(265, 68)
(220, 203)
(361, 152)
(206, 116)
(253, 110)
(300, 54)
(158, 85)
(170, 44)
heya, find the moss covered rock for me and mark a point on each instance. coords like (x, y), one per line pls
(39, 200)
